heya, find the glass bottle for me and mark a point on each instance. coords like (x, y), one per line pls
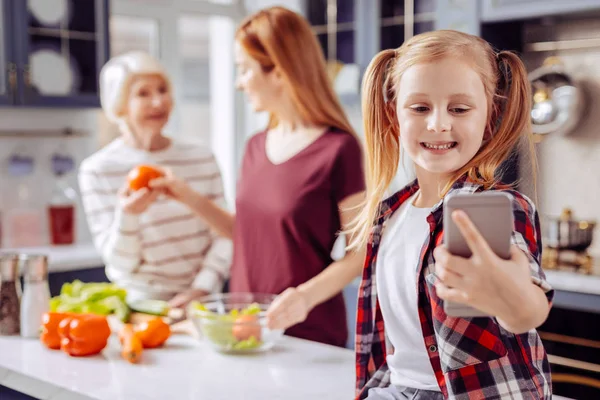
(61, 212)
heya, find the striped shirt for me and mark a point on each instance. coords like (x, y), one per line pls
(167, 249)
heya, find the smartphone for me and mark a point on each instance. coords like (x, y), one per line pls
(491, 212)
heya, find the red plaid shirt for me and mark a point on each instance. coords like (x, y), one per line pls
(472, 358)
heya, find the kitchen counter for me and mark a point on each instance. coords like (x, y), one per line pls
(68, 257)
(184, 369)
(573, 282)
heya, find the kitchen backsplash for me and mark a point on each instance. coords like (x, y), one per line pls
(568, 165)
(39, 184)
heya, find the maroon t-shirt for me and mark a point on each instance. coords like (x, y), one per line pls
(286, 223)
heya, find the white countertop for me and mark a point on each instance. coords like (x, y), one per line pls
(184, 369)
(68, 257)
(573, 282)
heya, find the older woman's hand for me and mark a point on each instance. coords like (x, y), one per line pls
(183, 299)
(136, 202)
(173, 186)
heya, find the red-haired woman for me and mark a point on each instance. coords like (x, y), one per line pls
(300, 185)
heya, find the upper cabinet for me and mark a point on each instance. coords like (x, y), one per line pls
(7, 67)
(57, 48)
(402, 19)
(351, 32)
(504, 10)
(334, 24)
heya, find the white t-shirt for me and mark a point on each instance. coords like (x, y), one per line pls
(397, 259)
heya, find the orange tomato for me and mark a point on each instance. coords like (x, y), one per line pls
(131, 344)
(83, 334)
(245, 327)
(50, 321)
(153, 333)
(140, 176)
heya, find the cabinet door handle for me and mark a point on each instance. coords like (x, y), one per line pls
(569, 362)
(27, 75)
(12, 81)
(577, 379)
(27, 92)
(556, 337)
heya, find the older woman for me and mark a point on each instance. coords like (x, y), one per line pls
(153, 246)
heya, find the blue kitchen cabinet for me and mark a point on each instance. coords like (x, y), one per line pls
(337, 36)
(505, 10)
(573, 344)
(397, 19)
(336, 26)
(58, 50)
(7, 65)
(7, 393)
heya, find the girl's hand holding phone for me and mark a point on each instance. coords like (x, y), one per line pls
(484, 281)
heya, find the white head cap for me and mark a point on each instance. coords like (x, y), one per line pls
(116, 76)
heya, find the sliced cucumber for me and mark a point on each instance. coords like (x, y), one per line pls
(122, 311)
(152, 307)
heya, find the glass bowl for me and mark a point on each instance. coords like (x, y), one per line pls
(234, 322)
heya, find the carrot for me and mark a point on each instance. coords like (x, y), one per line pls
(131, 345)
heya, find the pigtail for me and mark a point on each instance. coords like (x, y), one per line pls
(510, 122)
(515, 95)
(515, 117)
(381, 140)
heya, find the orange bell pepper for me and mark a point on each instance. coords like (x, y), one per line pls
(153, 333)
(50, 321)
(83, 334)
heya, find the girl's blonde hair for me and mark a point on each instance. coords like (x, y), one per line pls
(116, 77)
(280, 38)
(507, 90)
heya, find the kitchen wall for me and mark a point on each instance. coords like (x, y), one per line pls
(569, 166)
(40, 183)
(96, 132)
(193, 118)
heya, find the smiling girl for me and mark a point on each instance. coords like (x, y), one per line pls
(457, 109)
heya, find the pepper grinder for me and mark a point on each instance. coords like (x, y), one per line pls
(36, 293)
(10, 290)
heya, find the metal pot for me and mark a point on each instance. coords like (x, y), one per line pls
(566, 233)
(558, 101)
